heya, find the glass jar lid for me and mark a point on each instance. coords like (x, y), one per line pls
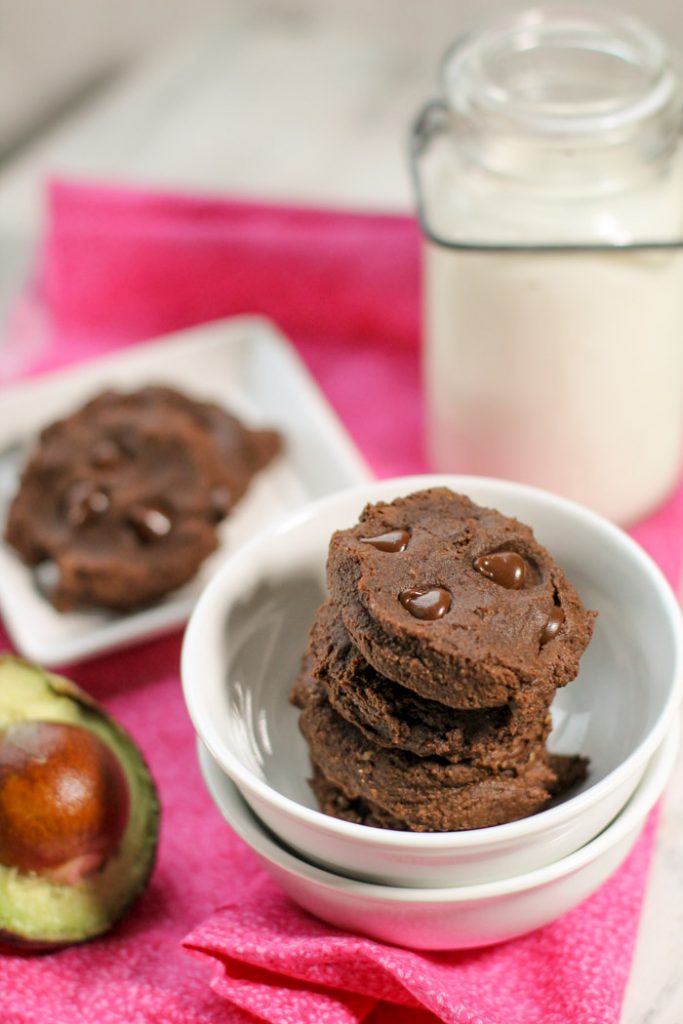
(567, 76)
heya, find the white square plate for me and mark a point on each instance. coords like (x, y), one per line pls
(244, 364)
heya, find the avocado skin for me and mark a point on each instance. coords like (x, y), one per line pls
(138, 847)
(11, 945)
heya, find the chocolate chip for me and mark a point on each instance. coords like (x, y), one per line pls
(426, 602)
(84, 502)
(394, 540)
(47, 576)
(150, 522)
(552, 626)
(506, 568)
(105, 454)
(220, 500)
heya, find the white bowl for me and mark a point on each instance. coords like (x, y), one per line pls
(245, 639)
(453, 918)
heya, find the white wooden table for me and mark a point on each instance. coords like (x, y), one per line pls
(307, 101)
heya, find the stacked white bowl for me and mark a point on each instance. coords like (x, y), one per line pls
(435, 890)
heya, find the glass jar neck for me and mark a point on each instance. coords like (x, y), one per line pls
(563, 98)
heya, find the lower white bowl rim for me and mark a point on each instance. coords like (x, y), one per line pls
(494, 835)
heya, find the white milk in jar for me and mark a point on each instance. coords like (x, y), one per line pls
(550, 184)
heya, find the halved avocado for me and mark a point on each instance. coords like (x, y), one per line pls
(79, 813)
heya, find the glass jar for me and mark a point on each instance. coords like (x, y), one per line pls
(549, 181)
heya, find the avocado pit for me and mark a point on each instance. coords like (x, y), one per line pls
(79, 813)
(63, 800)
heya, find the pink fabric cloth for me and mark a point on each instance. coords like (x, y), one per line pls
(119, 266)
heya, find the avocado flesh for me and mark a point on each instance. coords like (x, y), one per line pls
(38, 913)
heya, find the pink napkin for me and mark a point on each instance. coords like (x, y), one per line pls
(119, 266)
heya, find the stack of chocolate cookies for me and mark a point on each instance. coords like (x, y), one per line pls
(426, 686)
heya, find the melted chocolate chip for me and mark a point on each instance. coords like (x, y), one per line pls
(84, 503)
(105, 454)
(426, 602)
(506, 568)
(221, 502)
(393, 540)
(150, 522)
(552, 626)
(47, 576)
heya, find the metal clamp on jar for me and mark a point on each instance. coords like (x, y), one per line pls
(549, 182)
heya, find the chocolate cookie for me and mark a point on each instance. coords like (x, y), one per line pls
(242, 452)
(456, 602)
(427, 794)
(333, 801)
(393, 716)
(124, 497)
(569, 771)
